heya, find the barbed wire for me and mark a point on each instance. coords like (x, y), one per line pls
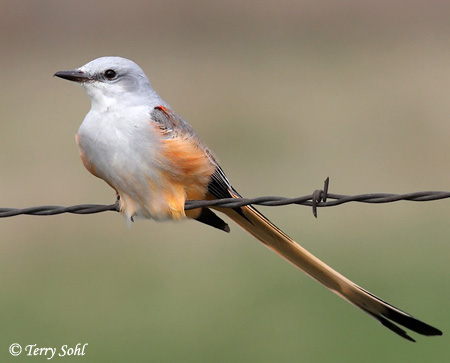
(319, 198)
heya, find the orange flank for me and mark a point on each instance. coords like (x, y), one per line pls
(87, 164)
(174, 195)
(187, 171)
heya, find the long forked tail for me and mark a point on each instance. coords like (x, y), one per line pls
(270, 235)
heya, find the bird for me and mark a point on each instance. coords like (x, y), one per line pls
(155, 161)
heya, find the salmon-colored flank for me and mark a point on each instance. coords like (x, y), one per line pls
(87, 164)
(187, 175)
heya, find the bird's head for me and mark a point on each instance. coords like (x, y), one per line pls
(112, 80)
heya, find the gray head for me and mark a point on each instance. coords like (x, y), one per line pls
(108, 80)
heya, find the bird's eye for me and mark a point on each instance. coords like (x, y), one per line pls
(110, 74)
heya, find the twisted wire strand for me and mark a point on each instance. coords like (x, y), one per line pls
(317, 199)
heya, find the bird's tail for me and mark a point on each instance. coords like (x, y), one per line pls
(270, 235)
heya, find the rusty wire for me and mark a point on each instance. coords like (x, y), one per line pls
(320, 198)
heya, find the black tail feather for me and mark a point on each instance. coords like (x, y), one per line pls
(208, 217)
(389, 314)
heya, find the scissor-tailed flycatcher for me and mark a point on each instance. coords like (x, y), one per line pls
(155, 161)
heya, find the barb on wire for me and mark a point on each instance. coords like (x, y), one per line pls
(319, 195)
(320, 198)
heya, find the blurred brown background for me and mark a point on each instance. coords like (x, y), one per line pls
(285, 93)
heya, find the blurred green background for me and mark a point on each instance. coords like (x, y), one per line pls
(285, 93)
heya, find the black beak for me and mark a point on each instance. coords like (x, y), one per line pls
(75, 76)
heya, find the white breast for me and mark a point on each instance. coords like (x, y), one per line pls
(123, 149)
